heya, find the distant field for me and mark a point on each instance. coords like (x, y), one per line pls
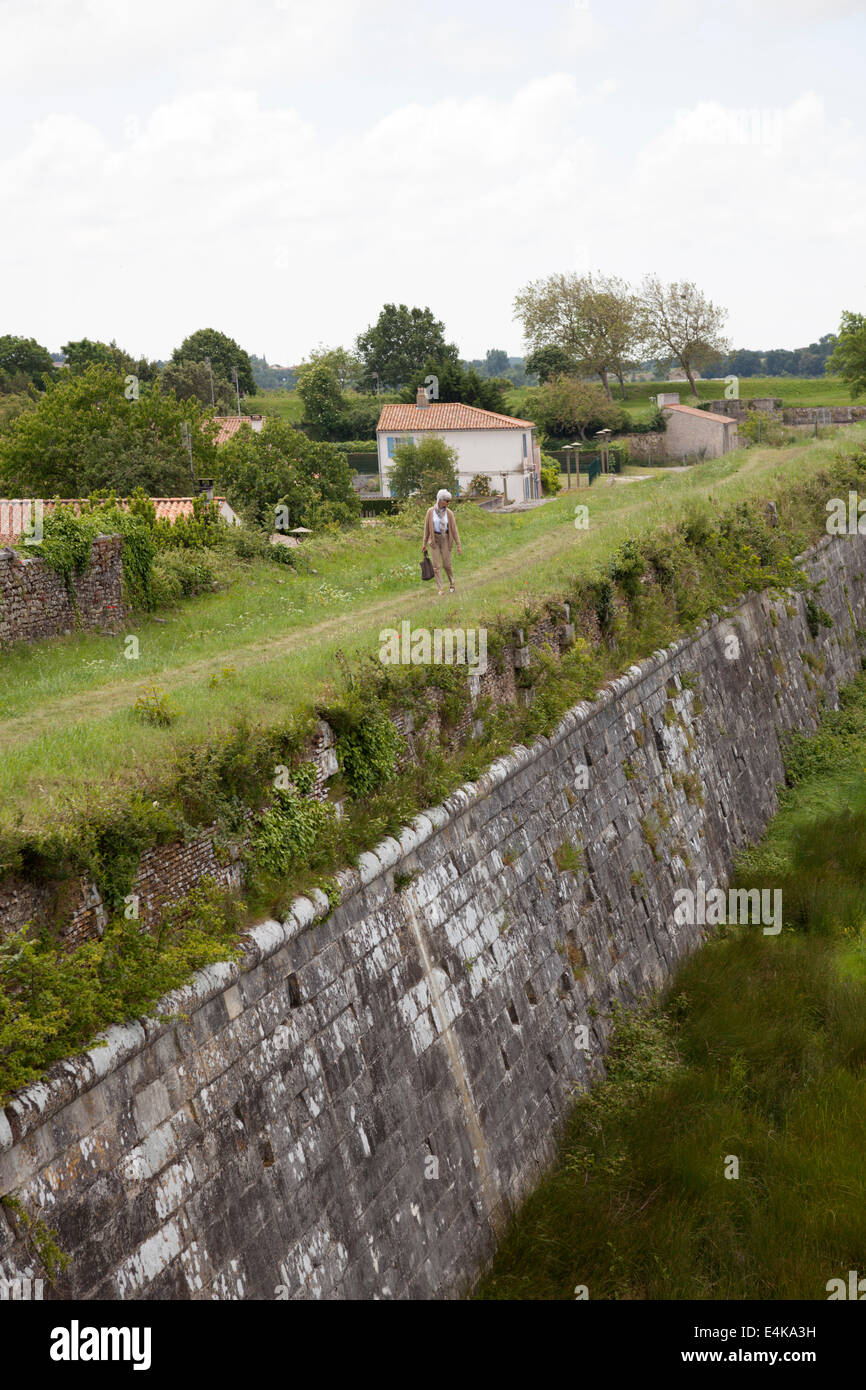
(287, 405)
(793, 391)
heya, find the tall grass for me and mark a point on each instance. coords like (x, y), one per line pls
(758, 1052)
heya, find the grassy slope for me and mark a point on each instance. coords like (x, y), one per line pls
(66, 718)
(760, 1054)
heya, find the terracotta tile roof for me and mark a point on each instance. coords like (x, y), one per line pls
(228, 426)
(440, 415)
(704, 414)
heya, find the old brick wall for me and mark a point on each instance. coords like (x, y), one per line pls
(34, 601)
(351, 1111)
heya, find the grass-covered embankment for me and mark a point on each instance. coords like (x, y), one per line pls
(627, 600)
(68, 728)
(758, 1053)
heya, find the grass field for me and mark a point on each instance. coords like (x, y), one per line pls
(285, 405)
(792, 390)
(760, 1053)
(267, 645)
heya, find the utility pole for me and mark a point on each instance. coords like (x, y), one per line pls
(237, 388)
(212, 401)
(186, 435)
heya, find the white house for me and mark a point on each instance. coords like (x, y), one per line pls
(501, 447)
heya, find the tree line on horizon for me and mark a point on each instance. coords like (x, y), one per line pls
(68, 430)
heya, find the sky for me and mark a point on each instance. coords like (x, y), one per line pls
(279, 170)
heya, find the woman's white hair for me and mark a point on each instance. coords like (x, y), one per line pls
(443, 492)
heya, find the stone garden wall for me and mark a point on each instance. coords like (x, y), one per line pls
(34, 600)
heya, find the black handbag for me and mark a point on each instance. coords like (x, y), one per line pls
(426, 567)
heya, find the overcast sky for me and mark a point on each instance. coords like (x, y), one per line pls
(279, 169)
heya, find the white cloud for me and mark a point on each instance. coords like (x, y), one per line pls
(217, 206)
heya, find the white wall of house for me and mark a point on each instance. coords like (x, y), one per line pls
(492, 452)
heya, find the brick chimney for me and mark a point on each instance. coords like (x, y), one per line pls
(421, 399)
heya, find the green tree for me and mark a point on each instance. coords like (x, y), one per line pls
(192, 381)
(224, 353)
(596, 320)
(398, 344)
(550, 361)
(346, 366)
(84, 353)
(324, 406)
(455, 382)
(279, 467)
(495, 362)
(422, 469)
(86, 434)
(567, 406)
(681, 323)
(22, 358)
(848, 359)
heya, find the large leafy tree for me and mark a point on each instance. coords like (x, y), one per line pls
(192, 381)
(346, 366)
(681, 323)
(567, 406)
(279, 467)
(86, 352)
(319, 389)
(595, 320)
(224, 353)
(551, 361)
(23, 362)
(848, 358)
(85, 434)
(398, 344)
(495, 362)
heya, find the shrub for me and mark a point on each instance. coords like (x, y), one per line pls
(368, 744)
(154, 707)
(179, 573)
(480, 486)
(289, 832)
(549, 476)
(423, 469)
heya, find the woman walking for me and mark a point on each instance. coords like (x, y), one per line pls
(440, 533)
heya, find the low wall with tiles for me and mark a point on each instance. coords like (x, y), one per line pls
(352, 1110)
(34, 600)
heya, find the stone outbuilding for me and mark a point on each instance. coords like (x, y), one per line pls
(698, 434)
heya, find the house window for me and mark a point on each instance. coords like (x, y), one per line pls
(395, 440)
